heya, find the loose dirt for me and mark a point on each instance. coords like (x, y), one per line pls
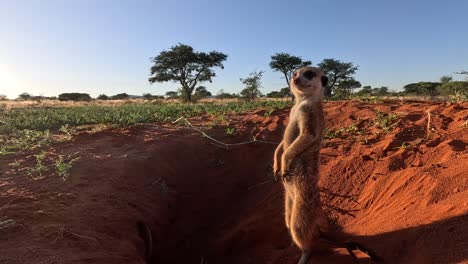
(403, 193)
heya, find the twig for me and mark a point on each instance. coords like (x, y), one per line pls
(226, 145)
(465, 124)
(262, 183)
(78, 235)
(428, 121)
(156, 181)
(59, 235)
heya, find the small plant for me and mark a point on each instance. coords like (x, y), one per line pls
(230, 131)
(269, 112)
(386, 122)
(68, 131)
(63, 167)
(404, 145)
(40, 167)
(352, 130)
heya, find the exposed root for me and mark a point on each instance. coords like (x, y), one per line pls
(225, 145)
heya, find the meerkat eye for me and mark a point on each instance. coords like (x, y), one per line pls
(309, 75)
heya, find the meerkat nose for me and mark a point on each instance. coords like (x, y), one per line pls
(296, 81)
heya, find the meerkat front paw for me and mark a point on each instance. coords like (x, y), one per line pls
(284, 168)
(276, 169)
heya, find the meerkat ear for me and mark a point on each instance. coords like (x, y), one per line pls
(324, 81)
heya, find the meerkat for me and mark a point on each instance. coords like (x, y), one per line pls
(297, 158)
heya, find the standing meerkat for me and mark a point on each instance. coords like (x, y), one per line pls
(297, 160)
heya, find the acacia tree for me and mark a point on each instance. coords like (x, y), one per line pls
(345, 88)
(463, 73)
(446, 79)
(184, 65)
(201, 92)
(252, 83)
(172, 95)
(287, 64)
(422, 88)
(337, 72)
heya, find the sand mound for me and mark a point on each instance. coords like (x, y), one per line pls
(402, 193)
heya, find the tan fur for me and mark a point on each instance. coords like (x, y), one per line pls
(297, 159)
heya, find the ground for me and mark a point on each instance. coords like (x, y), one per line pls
(394, 182)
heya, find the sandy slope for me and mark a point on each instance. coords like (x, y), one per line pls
(203, 202)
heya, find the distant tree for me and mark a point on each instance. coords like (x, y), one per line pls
(172, 95)
(25, 96)
(458, 90)
(337, 72)
(201, 92)
(382, 91)
(183, 65)
(120, 96)
(345, 88)
(287, 64)
(103, 97)
(223, 95)
(3, 97)
(463, 73)
(283, 92)
(252, 83)
(446, 79)
(365, 91)
(147, 96)
(74, 97)
(422, 88)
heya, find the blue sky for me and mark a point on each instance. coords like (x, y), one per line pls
(52, 46)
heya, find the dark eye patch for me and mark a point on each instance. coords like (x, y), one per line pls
(309, 75)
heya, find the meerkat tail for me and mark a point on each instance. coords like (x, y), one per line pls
(304, 258)
(145, 233)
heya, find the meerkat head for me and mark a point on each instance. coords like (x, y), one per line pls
(308, 81)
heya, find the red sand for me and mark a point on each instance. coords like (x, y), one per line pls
(203, 202)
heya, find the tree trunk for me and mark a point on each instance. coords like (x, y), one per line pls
(289, 85)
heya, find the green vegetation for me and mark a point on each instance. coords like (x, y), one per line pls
(252, 84)
(351, 130)
(74, 97)
(386, 121)
(40, 120)
(63, 167)
(287, 64)
(231, 131)
(183, 65)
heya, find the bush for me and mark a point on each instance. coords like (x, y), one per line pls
(74, 97)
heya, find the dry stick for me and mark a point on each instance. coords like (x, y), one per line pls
(59, 235)
(428, 122)
(226, 145)
(465, 124)
(156, 181)
(82, 236)
(256, 185)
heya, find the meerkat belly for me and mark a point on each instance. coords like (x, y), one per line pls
(291, 133)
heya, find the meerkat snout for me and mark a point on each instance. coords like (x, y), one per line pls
(308, 81)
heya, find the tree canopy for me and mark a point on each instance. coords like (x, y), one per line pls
(337, 72)
(283, 92)
(184, 65)
(287, 64)
(252, 83)
(425, 88)
(74, 97)
(201, 92)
